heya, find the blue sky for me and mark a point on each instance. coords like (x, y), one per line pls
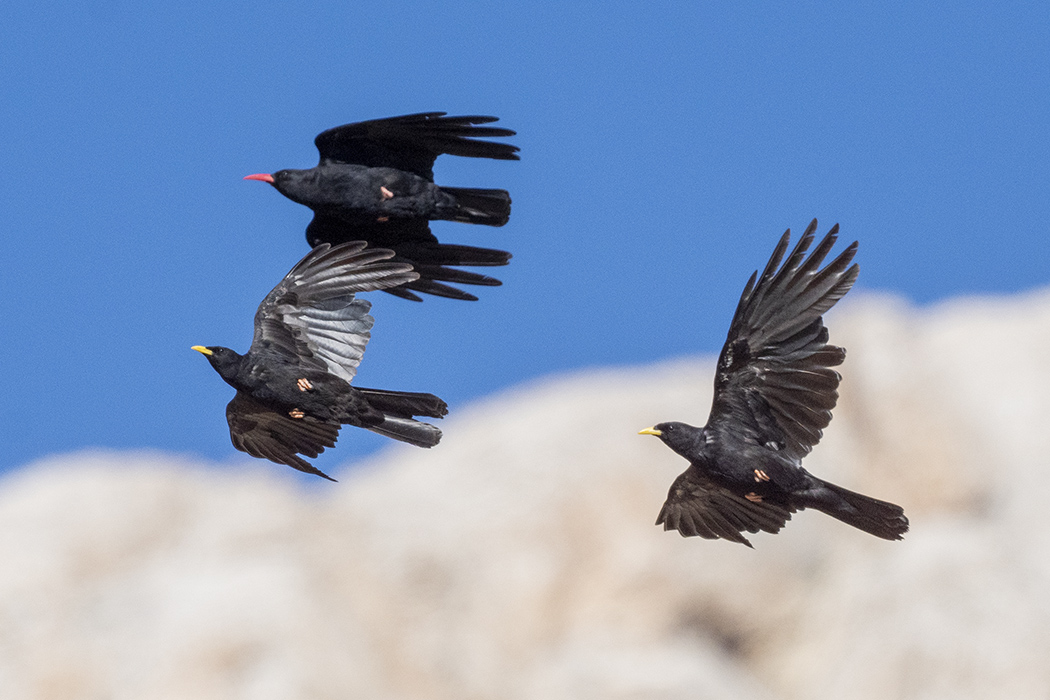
(665, 147)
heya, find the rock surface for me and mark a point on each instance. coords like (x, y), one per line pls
(519, 561)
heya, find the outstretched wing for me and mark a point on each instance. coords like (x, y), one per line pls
(774, 384)
(697, 507)
(413, 242)
(413, 142)
(267, 434)
(313, 317)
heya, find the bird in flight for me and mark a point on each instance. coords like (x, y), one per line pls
(774, 392)
(375, 182)
(293, 384)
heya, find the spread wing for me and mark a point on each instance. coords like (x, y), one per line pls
(697, 507)
(413, 142)
(413, 243)
(267, 434)
(313, 317)
(774, 384)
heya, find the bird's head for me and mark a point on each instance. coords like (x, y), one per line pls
(290, 183)
(225, 361)
(680, 437)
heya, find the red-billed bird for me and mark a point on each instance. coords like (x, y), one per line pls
(375, 182)
(293, 384)
(774, 392)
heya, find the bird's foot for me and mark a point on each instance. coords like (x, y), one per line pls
(387, 194)
(753, 497)
(304, 384)
(761, 475)
(296, 413)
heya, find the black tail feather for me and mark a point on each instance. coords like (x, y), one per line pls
(405, 404)
(879, 518)
(477, 206)
(398, 408)
(408, 430)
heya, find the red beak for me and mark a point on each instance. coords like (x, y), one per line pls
(265, 177)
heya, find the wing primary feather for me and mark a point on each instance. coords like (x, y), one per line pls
(767, 273)
(773, 288)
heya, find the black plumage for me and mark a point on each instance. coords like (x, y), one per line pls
(293, 384)
(774, 392)
(375, 182)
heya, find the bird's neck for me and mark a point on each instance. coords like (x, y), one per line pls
(230, 368)
(688, 440)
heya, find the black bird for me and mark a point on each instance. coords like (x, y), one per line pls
(774, 392)
(293, 384)
(375, 182)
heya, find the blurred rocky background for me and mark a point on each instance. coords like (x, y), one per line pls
(519, 561)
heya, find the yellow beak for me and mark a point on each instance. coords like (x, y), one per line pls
(201, 349)
(650, 431)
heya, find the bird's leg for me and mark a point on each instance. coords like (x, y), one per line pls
(296, 413)
(387, 194)
(761, 475)
(753, 497)
(304, 384)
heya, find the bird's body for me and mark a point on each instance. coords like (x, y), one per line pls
(271, 380)
(375, 182)
(359, 195)
(774, 392)
(293, 384)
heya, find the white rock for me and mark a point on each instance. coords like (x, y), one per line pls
(518, 560)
